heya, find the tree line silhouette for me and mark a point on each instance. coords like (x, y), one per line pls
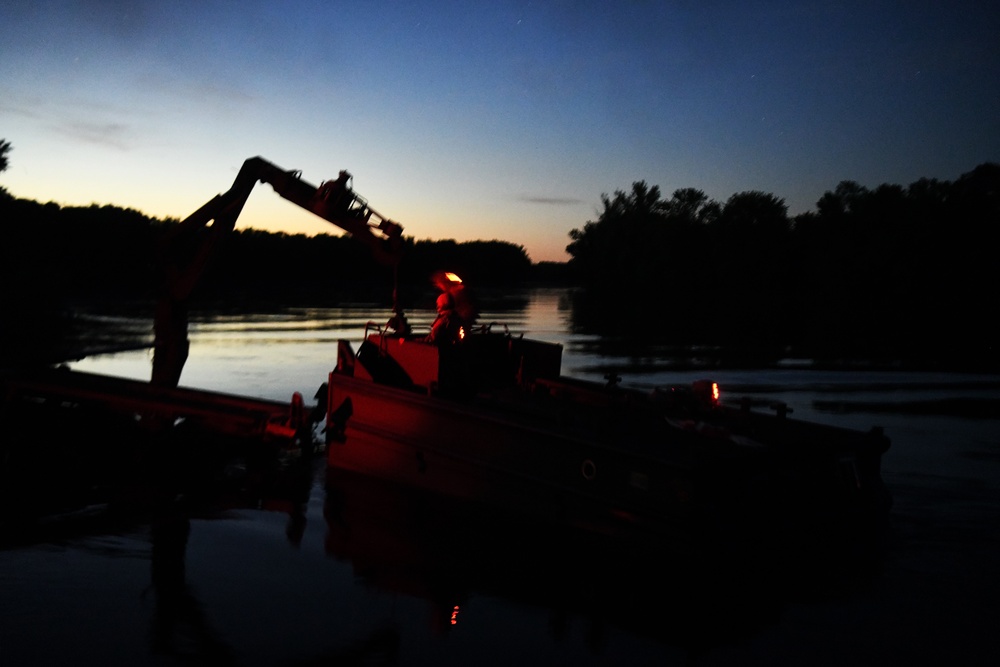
(891, 274)
(56, 259)
(58, 254)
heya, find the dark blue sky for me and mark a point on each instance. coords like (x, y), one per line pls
(500, 120)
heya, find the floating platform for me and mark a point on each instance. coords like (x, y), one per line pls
(224, 414)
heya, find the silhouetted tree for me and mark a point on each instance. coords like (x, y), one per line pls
(692, 206)
(5, 149)
(609, 253)
(892, 273)
(643, 263)
(904, 273)
(753, 261)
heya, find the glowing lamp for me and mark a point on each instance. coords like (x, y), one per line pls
(707, 392)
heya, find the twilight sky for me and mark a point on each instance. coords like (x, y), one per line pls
(491, 120)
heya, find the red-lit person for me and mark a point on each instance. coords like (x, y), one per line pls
(456, 309)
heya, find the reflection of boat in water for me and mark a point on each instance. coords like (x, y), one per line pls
(458, 557)
(490, 418)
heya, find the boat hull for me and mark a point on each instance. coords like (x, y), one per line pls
(472, 453)
(607, 464)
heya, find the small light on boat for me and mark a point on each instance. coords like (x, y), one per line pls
(707, 392)
(454, 615)
(452, 277)
(461, 333)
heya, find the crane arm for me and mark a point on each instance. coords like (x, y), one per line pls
(335, 202)
(184, 253)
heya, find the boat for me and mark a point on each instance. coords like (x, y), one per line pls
(490, 418)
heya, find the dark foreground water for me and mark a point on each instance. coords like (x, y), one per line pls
(286, 565)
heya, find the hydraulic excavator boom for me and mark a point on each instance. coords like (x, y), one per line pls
(185, 251)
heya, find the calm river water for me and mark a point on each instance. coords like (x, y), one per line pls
(306, 570)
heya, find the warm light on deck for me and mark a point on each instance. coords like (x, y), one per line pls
(707, 391)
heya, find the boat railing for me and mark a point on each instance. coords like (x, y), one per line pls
(372, 327)
(488, 328)
(371, 324)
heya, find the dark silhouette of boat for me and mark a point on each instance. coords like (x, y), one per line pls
(489, 418)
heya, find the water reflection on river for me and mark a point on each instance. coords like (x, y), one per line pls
(298, 569)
